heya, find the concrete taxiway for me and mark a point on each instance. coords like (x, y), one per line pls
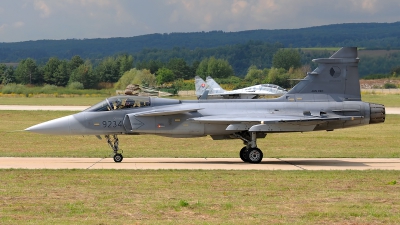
(201, 163)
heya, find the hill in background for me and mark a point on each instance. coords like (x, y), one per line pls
(239, 48)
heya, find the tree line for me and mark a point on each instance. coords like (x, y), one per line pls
(63, 72)
(84, 74)
(182, 61)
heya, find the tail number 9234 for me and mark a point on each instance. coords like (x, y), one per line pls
(112, 124)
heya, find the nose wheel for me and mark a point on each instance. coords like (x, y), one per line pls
(113, 143)
(118, 158)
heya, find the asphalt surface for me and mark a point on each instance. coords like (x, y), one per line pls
(201, 164)
(192, 163)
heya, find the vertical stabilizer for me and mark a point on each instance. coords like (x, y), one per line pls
(335, 77)
(200, 86)
(213, 86)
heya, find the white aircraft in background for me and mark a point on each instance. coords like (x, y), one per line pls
(252, 92)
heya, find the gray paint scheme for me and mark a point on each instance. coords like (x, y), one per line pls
(326, 99)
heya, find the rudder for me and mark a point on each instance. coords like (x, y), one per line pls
(214, 86)
(336, 77)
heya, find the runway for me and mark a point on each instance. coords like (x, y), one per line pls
(201, 163)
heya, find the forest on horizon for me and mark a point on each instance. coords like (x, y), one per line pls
(184, 51)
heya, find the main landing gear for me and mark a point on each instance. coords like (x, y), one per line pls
(113, 143)
(249, 153)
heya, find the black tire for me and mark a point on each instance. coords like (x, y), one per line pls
(118, 158)
(254, 155)
(243, 154)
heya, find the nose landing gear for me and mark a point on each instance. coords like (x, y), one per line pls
(113, 143)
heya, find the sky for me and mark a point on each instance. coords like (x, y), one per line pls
(24, 20)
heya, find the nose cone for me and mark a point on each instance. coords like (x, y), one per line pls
(62, 126)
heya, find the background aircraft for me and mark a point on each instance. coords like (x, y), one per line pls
(326, 99)
(139, 90)
(215, 91)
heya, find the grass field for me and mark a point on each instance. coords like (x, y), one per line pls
(379, 140)
(78, 101)
(199, 197)
(389, 100)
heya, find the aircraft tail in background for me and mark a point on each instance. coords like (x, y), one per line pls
(214, 86)
(200, 86)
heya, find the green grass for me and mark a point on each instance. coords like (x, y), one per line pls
(26, 90)
(75, 101)
(198, 197)
(378, 140)
(389, 100)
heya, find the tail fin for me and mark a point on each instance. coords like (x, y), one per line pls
(200, 86)
(204, 96)
(335, 78)
(214, 86)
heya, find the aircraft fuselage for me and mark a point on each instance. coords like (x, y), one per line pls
(130, 120)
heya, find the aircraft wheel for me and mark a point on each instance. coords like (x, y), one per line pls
(254, 155)
(118, 158)
(243, 154)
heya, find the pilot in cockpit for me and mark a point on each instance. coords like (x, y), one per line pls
(129, 103)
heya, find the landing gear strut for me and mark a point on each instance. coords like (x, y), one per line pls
(113, 143)
(250, 153)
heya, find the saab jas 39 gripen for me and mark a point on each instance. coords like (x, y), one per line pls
(326, 99)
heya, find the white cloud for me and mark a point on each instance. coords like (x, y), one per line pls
(18, 24)
(3, 27)
(50, 19)
(43, 8)
(174, 17)
(370, 6)
(239, 7)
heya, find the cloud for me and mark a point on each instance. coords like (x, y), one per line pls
(49, 19)
(18, 24)
(238, 8)
(3, 27)
(43, 8)
(237, 15)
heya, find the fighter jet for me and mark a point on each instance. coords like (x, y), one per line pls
(215, 91)
(325, 100)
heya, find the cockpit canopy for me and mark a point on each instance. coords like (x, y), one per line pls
(128, 102)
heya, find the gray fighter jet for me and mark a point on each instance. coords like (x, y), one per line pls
(326, 99)
(215, 91)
